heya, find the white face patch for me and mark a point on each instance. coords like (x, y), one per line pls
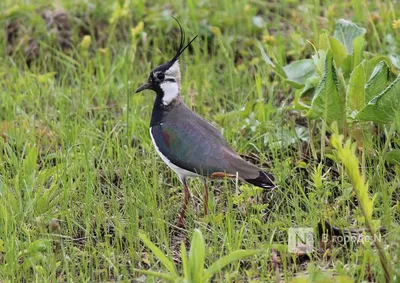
(171, 84)
(174, 71)
(171, 92)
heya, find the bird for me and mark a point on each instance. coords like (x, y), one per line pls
(187, 143)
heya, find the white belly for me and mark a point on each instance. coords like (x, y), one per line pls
(182, 173)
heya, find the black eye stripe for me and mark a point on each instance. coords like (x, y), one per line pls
(170, 80)
(160, 76)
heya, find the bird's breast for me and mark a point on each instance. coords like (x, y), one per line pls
(163, 145)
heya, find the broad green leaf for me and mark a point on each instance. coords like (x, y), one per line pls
(358, 50)
(169, 265)
(197, 256)
(346, 32)
(228, 259)
(302, 99)
(327, 102)
(393, 156)
(373, 62)
(185, 263)
(299, 103)
(299, 71)
(383, 108)
(377, 82)
(161, 275)
(342, 84)
(319, 60)
(395, 59)
(294, 84)
(311, 83)
(324, 40)
(308, 89)
(355, 91)
(347, 66)
(339, 51)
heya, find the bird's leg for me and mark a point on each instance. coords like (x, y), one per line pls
(205, 198)
(186, 198)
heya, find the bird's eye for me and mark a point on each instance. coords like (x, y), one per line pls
(160, 76)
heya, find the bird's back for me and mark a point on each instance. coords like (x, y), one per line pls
(192, 143)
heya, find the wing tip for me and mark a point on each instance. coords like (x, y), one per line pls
(264, 180)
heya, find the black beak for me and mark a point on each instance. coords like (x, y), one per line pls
(143, 87)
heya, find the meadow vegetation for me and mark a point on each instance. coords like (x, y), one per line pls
(308, 90)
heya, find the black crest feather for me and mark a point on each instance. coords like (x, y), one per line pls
(181, 45)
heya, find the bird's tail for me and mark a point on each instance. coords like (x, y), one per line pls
(264, 180)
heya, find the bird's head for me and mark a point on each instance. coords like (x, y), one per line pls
(165, 79)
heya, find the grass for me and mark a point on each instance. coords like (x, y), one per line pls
(78, 172)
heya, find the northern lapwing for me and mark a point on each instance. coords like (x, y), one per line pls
(187, 143)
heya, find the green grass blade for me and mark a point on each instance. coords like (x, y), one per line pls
(185, 263)
(197, 256)
(169, 265)
(277, 68)
(228, 259)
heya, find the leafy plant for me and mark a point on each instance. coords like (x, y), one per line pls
(193, 266)
(342, 82)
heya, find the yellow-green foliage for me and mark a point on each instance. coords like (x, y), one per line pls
(347, 156)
